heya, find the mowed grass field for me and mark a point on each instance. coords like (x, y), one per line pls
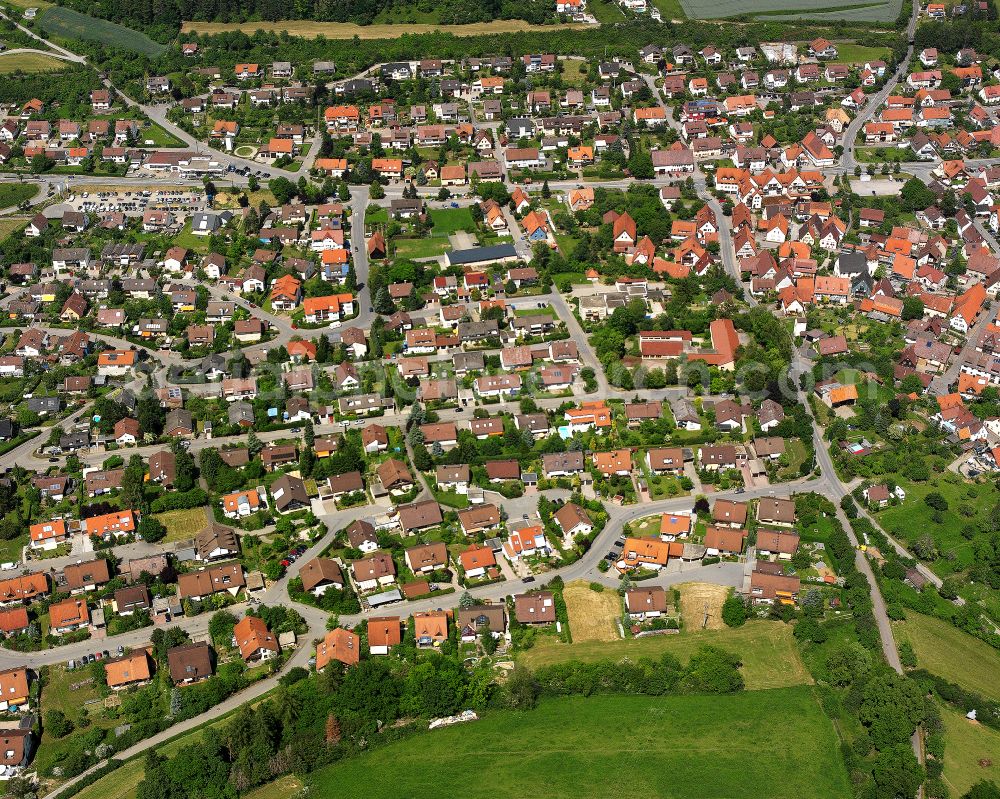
(948, 652)
(347, 30)
(971, 752)
(29, 62)
(70, 24)
(592, 614)
(767, 649)
(182, 525)
(774, 744)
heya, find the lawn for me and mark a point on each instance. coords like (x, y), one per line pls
(770, 656)
(16, 193)
(64, 22)
(966, 744)
(593, 615)
(421, 248)
(853, 53)
(30, 62)
(450, 220)
(913, 517)
(182, 525)
(946, 651)
(776, 744)
(159, 136)
(347, 30)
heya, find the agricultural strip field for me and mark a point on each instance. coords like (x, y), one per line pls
(29, 62)
(821, 10)
(774, 744)
(948, 652)
(346, 30)
(69, 24)
(767, 649)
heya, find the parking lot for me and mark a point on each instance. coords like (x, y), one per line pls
(135, 203)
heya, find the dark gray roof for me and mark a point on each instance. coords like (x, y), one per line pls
(478, 255)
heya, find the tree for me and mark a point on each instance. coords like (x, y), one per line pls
(936, 501)
(133, 480)
(254, 445)
(377, 192)
(848, 662)
(913, 308)
(521, 688)
(466, 601)
(891, 708)
(151, 529)
(57, 725)
(984, 789)
(897, 773)
(332, 734)
(546, 191)
(220, 627)
(734, 611)
(713, 670)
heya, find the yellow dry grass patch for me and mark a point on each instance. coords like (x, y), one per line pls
(346, 30)
(592, 614)
(697, 599)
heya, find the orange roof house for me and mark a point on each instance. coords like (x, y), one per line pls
(340, 645)
(68, 615)
(254, 639)
(649, 552)
(122, 522)
(430, 628)
(130, 670)
(618, 461)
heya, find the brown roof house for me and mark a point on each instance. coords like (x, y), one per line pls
(427, 558)
(419, 516)
(646, 603)
(371, 573)
(481, 620)
(536, 608)
(319, 574)
(189, 663)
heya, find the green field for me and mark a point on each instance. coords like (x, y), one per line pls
(16, 193)
(30, 62)
(773, 744)
(966, 745)
(948, 652)
(69, 24)
(770, 657)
